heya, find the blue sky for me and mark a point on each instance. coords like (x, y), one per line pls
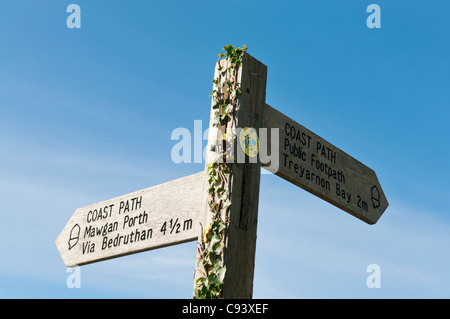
(87, 115)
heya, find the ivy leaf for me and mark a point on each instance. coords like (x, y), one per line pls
(214, 280)
(221, 226)
(214, 239)
(219, 248)
(218, 226)
(216, 118)
(222, 194)
(200, 280)
(229, 48)
(227, 203)
(221, 273)
(226, 108)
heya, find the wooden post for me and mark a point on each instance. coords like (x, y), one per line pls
(175, 212)
(239, 254)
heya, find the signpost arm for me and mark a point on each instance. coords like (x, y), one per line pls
(240, 243)
(314, 164)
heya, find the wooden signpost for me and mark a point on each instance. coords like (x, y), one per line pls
(177, 211)
(309, 161)
(151, 218)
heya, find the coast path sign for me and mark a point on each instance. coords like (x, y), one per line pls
(174, 212)
(309, 161)
(151, 218)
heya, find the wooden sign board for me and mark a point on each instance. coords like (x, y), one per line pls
(151, 218)
(309, 161)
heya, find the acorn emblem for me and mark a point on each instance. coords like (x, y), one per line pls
(74, 236)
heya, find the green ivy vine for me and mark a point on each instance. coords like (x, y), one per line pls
(225, 94)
